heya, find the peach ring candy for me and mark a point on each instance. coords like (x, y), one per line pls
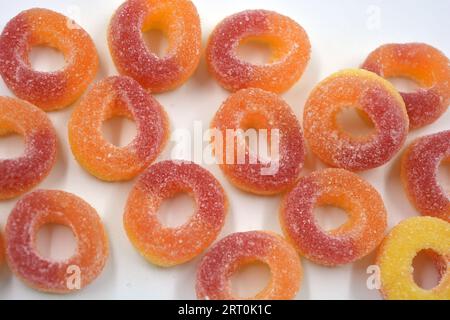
(419, 174)
(288, 40)
(372, 96)
(423, 64)
(164, 246)
(250, 111)
(47, 90)
(239, 249)
(398, 250)
(360, 235)
(180, 23)
(44, 207)
(21, 174)
(117, 96)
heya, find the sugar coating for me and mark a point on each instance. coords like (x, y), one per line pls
(288, 40)
(396, 254)
(165, 246)
(425, 65)
(259, 109)
(365, 91)
(238, 249)
(21, 174)
(117, 96)
(360, 235)
(54, 207)
(178, 20)
(47, 90)
(419, 174)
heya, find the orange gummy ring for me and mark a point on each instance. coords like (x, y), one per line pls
(238, 249)
(21, 174)
(117, 96)
(360, 235)
(425, 65)
(47, 90)
(178, 20)
(365, 91)
(259, 109)
(419, 174)
(288, 40)
(54, 207)
(172, 246)
(396, 254)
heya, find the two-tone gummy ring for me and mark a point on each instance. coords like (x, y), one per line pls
(47, 90)
(288, 40)
(117, 96)
(44, 207)
(178, 20)
(21, 174)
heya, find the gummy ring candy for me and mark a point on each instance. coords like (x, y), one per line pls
(178, 20)
(21, 174)
(425, 65)
(368, 93)
(239, 249)
(419, 174)
(289, 42)
(55, 207)
(363, 231)
(117, 96)
(259, 109)
(396, 254)
(47, 90)
(165, 246)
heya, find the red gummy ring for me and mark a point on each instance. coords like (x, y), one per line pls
(289, 42)
(54, 207)
(427, 66)
(180, 22)
(259, 109)
(419, 174)
(47, 90)
(238, 249)
(21, 174)
(355, 239)
(365, 91)
(172, 246)
(117, 96)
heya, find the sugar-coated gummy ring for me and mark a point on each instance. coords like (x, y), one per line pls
(178, 20)
(364, 91)
(165, 246)
(55, 207)
(259, 109)
(361, 234)
(47, 90)
(20, 174)
(239, 249)
(288, 40)
(396, 254)
(117, 96)
(425, 65)
(419, 174)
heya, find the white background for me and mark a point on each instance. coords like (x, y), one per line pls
(342, 34)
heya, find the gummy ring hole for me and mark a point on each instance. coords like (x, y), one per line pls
(55, 242)
(406, 84)
(429, 269)
(118, 126)
(12, 143)
(176, 209)
(443, 176)
(260, 51)
(46, 58)
(155, 33)
(249, 278)
(355, 123)
(330, 218)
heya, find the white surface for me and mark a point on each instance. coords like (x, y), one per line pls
(342, 34)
